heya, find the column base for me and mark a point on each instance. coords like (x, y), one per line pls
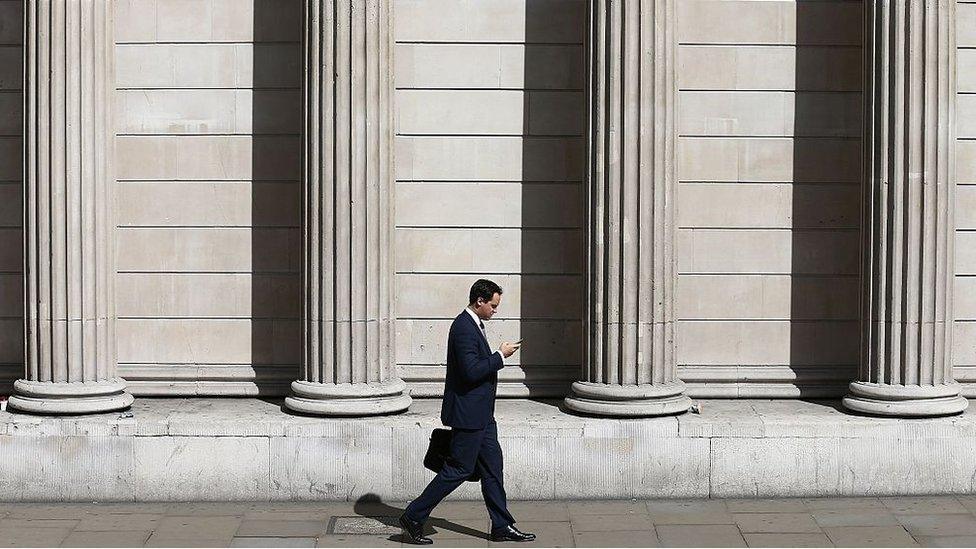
(604, 399)
(348, 399)
(48, 397)
(882, 399)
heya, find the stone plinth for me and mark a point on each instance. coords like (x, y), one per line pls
(250, 449)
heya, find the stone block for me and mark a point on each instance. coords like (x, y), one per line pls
(11, 67)
(184, 20)
(965, 252)
(766, 343)
(11, 113)
(555, 251)
(209, 203)
(53, 468)
(595, 467)
(489, 21)
(749, 67)
(489, 159)
(767, 205)
(488, 66)
(529, 205)
(135, 21)
(779, 114)
(199, 295)
(208, 65)
(772, 160)
(11, 204)
(774, 23)
(213, 341)
(318, 468)
(965, 25)
(11, 23)
(211, 468)
(11, 295)
(780, 467)
(231, 249)
(966, 116)
(10, 164)
(768, 297)
(762, 251)
(965, 207)
(966, 70)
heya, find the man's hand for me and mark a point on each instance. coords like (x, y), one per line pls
(508, 349)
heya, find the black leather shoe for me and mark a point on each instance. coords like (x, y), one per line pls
(510, 533)
(413, 532)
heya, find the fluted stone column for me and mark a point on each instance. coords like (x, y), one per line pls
(348, 366)
(69, 83)
(907, 216)
(630, 363)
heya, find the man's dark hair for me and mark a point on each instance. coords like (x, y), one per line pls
(485, 289)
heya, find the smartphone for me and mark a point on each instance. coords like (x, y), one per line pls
(519, 342)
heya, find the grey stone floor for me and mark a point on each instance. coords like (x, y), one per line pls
(937, 521)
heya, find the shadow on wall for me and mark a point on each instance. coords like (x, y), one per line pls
(552, 194)
(11, 195)
(276, 197)
(824, 333)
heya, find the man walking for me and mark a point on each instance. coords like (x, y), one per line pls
(469, 408)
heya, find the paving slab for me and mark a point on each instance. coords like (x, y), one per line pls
(969, 502)
(282, 528)
(624, 507)
(708, 535)
(169, 541)
(946, 541)
(124, 538)
(202, 527)
(32, 537)
(272, 542)
(784, 505)
(829, 504)
(925, 505)
(475, 528)
(548, 534)
(322, 515)
(358, 541)
(460, 509)
(640, 538)
(870, 536)
(778, 523)
(855, 517)
(539, 511)
(108, 522)
(12, 523)
(612, 523)
(939, 525)
(788, 540)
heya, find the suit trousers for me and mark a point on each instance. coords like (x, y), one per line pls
(470, 449)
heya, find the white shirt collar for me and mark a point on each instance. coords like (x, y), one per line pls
(477, 321)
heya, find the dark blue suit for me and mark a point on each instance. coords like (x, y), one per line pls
(469, 408)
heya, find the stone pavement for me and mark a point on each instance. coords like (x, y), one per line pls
(937, 521)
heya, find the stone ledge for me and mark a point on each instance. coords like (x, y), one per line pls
(250, 449)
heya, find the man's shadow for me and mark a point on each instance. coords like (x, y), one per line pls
(372, 506)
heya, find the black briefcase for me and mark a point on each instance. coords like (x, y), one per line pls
(439, 451)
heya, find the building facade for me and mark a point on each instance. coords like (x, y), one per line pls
(681, 199)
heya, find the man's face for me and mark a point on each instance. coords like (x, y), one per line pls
(486, 309)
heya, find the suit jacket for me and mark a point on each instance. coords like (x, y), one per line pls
(472, 376)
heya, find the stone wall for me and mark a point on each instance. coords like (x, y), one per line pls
(490, 115)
